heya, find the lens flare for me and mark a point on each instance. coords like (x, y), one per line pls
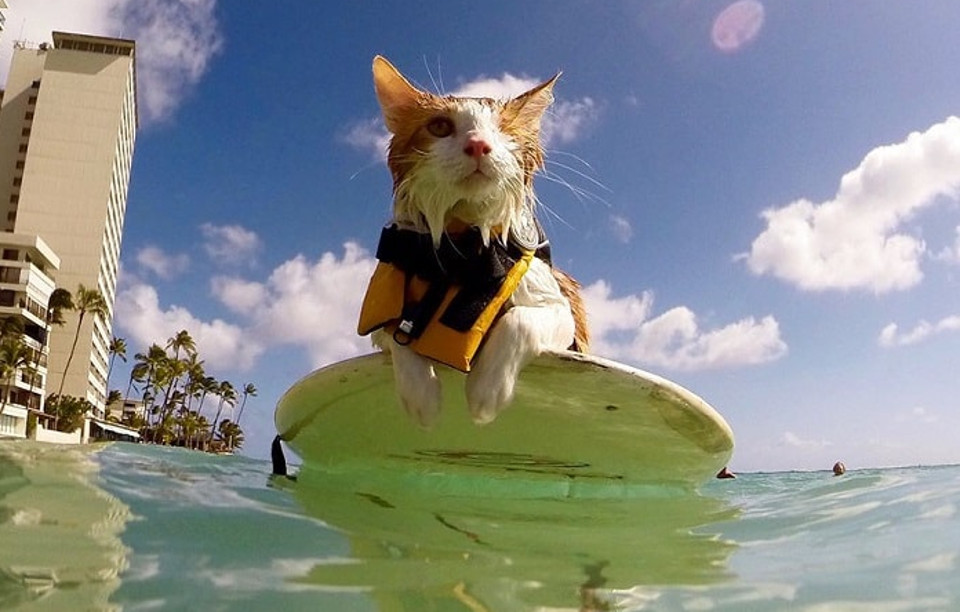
(737, 25)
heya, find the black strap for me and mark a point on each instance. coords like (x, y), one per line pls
(416, 315)
(461, 260)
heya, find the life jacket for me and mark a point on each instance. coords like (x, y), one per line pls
(441, 302)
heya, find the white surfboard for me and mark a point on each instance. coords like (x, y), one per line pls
(578, 426)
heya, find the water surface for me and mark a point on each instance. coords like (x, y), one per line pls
(130, 527)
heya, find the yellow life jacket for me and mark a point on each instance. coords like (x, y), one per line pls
(441, 302)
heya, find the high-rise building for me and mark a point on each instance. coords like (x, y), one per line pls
(27, 272)
(3, 18)
(68, 123)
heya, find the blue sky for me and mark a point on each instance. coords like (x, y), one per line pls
(759, 197)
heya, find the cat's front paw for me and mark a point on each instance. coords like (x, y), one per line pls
(489, 390)
(417, 386)
(421, 400)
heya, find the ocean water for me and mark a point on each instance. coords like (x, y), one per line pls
(130, 527)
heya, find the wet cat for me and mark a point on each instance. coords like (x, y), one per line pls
(464, 275)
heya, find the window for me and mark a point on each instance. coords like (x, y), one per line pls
(20, 164)
(32, 100)
(29, 116)
(11, 254)
(25, 132)
(23, 148)
(12, 216)
(35, 84)
(17, 181)
(8, 425)
(14, 199)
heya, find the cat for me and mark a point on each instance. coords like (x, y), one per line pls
(464, 219)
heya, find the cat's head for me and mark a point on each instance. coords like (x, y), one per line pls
(460, 161)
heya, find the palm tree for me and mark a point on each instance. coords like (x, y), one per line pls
(114, 397)
(191, 426)
(183, 341)
(231, 435)
(172, 370)
(59, 301)
(14, 354)
(117, 348)
(68, 411)
(206, 385)
(145, 370)
(11, 326)
(138, 373)
(248, 391)
(86, 301)
(228, 395)
(163, 430)
(195, 374)
(11, 335)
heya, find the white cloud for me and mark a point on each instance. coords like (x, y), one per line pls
(160, 263)
(176, 40)
(503, 88)
(144, 322)
(621, 228)
(791, 439)
(918, 414)
(622, 329)
(567, 119)
(239, 295)
(891, 335)
(230, 244)
(855, 240)
(315, 304)
(312, 305)
(368, 135)
(33, 21)
(951, 254)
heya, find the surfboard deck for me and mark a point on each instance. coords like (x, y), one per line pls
(579, 426)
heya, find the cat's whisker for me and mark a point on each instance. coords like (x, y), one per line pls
(366, 167)
(552, 214)
(578, 172)
(582, 175)
(438, 87)
(582, 195)
(552, 152)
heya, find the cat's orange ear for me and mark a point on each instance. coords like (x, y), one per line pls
(528, 107)
(395, 93)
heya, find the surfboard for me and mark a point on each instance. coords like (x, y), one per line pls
(579, 426)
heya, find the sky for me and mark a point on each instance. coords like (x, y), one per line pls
(759, 197)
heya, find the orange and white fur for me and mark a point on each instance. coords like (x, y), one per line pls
(460, 162)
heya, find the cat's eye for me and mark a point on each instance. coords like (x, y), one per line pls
(441, 127)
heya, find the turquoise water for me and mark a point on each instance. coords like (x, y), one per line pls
(127, 527)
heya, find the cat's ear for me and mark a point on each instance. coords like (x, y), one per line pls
(394, 92)
(528, 107)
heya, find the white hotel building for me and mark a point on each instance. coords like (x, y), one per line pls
(68, 123)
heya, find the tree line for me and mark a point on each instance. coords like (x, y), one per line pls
(175, 391)
(169, 382)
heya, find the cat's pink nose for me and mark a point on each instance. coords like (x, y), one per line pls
(476, 147)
